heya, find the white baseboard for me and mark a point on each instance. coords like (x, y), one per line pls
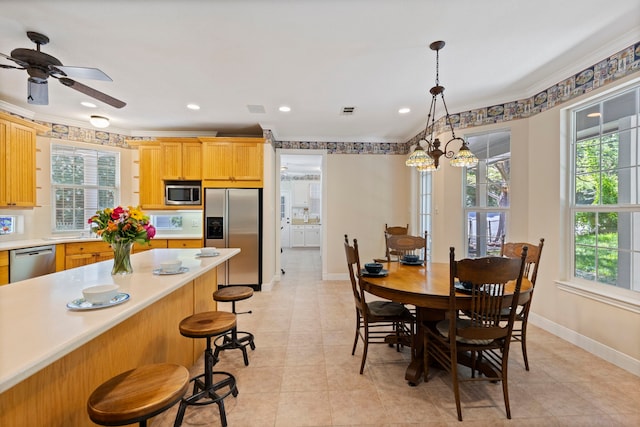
(594, 347)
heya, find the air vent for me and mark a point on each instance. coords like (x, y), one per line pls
(347, 111)
(256, 109)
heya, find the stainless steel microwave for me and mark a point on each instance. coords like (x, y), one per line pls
(182, 193)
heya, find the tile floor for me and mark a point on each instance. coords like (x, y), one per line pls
(302, 372)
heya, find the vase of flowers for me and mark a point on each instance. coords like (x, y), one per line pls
(121, 227)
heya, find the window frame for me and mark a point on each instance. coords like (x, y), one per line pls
(58, 146)
(425, 208)
(478, 208)
(581, 283)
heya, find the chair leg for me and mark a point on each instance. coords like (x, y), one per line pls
(366, 347)
(505, 390)
(355, 341)
(456, 386)
(523, 342)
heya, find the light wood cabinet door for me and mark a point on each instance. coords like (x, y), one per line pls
(185, 243)
(4, 267)
(18, 160)
(84, 253)
(153, 244)
(181, 160)
(232, 162)
(151, 187)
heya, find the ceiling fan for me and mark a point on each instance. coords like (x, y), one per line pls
(41, 66)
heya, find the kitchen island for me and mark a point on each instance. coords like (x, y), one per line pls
(51, 358)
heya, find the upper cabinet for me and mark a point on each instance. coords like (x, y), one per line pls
(151, 190)
(182, 160)
(232, 162)
(18, 161)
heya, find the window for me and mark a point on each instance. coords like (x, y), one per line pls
(605, 210)
(7, 225)
(425, 209)
(486, 193)
(82, 182)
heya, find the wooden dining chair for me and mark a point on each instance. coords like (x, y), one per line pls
(393, 230)
(514, 250)
(482, 339)
(377, 322)
(401, 245)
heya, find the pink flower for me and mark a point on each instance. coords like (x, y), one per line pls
(151, 230)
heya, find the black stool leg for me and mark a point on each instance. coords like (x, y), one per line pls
(208, 387)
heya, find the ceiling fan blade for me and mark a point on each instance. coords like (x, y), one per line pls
(17, 61)
(11, 66)
(80, 72)
(92, 92)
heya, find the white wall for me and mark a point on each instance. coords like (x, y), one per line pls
(363, 193)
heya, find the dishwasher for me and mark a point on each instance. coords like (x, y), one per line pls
(27, 263)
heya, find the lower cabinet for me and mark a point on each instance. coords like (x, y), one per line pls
(152, 244)
(185, 243)
(305, 235)
(84, 253)
(4, 267)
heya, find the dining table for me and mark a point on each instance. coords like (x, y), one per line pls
(427, 287)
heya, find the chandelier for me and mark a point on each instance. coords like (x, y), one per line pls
(426, 155)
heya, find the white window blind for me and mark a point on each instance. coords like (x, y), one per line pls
(82, 182)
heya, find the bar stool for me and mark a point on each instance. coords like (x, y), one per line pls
(208, 325)
(234, 339)
(137, 395)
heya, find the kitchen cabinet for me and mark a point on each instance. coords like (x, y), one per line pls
(150, 179)
(312, 235)
(4, 267)
(185, 243)
(300, 193)
(84, 253)
(297, 236)
(153, 244)
(181, 160)
(305, 235)
(232, 162)
(18, 161)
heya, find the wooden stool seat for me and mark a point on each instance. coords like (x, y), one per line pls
(210, 386)
(233, 293)
(207, 324)
(137, 395)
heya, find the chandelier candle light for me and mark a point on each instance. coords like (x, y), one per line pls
(120, 228)
(427, 159)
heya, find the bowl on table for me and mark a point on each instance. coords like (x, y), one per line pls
(170, 266)
(208, 251)
(373, 267)
(100, 294)
(411, 258)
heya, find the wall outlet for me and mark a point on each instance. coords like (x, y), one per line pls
(195, 223)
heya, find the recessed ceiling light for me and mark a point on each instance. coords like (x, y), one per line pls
(404, 110)
(285, 108)
(193, 106)
(88, 104)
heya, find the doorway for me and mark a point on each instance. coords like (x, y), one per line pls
(300, 204)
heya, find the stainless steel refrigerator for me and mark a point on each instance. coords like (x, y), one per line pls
(233, 219)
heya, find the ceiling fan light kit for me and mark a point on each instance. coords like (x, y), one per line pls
(99, 121)
(40, 66)
(426, 155)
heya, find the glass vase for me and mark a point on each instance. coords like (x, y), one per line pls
(121, 258)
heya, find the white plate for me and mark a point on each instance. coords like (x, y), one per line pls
(201, 255)
(159, 271)
(83, 304)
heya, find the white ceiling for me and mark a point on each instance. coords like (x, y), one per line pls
(317, 56)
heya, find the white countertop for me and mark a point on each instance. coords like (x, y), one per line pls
(56, 240)
(36, 328)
